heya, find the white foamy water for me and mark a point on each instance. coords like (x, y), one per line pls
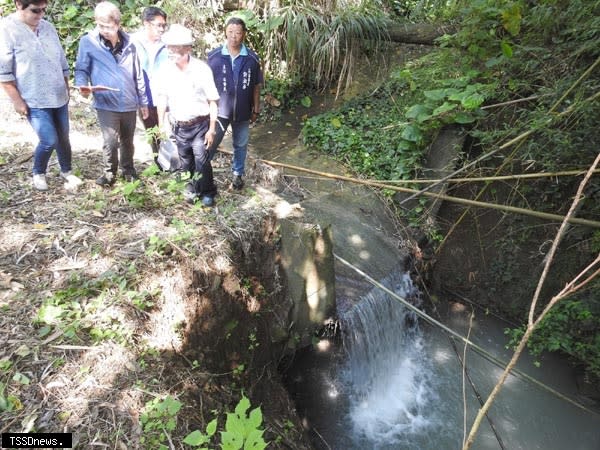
(387, 374)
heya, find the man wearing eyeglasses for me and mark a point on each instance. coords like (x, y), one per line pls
(185, 87)
(35, 76)
(153, 54)
(107, 58)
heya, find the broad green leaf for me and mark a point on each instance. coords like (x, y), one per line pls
(49, 314)
(436, 94)
(306, 101)
(416, 111)
(211, 428)
(20, 378)
(255, 441)
(255, 418)
(443, 108)
(70, 12)
(234, 424)
(195, 438)
(171, 424)
(336, 122)
(173, 405)
(463, 117)
(506, 49)
(411, 133)
(473, 101)
(231, 440)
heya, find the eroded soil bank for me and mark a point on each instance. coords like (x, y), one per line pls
(113, 299)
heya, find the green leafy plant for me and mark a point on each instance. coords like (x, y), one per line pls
(8, 402)
(154, 133)
(389, 142)
(156, 245)
(199, 439)
(158, 420)
(570, 327)
(133, 192)
(80, 309)
(242, 430)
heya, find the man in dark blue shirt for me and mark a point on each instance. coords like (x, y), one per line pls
(238, 77)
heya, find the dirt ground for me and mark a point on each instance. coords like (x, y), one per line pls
(115, 299)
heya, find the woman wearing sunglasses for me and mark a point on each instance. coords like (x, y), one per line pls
(35, 76)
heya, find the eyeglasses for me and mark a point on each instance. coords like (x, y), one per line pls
(162, 25)
(106, 26)
(38, 10)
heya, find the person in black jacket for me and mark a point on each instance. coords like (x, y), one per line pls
(238, 77)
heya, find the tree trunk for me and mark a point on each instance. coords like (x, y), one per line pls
(418, 33)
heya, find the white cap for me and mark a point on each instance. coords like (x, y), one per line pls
(178, 35)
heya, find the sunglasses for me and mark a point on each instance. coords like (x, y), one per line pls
(38, 10)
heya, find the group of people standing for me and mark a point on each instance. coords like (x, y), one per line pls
(151, 73)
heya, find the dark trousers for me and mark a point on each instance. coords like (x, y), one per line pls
(117, 129)
(195, 157)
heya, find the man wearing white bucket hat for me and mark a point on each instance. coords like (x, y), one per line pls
(185, 86)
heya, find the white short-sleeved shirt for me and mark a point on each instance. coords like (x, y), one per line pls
(185, 92)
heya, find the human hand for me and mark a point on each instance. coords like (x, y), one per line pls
(209, 138)
(21, 107)
(144, 112)
(85, 90)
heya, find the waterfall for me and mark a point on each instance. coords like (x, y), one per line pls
(387, 381)
(386, 375)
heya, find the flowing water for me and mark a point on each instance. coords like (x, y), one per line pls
(392, 381)
(387, 380)
(386, 374)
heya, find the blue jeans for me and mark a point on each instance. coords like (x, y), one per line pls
(240, 136)
(52, 128)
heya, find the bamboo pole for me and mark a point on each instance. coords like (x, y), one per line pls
(463, 201)
(490, 178)
(512, 102)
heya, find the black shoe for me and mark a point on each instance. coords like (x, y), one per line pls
(237, 183)
(130, 178)
(190, 196)
(105, 181)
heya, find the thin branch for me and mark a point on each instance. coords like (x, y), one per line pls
(531, 324)
(464, 376)
(559, 236)
(513, 141)
(512, 102)
(561, 173)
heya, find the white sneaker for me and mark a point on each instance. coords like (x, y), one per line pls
(39, 182)
(71, 180)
